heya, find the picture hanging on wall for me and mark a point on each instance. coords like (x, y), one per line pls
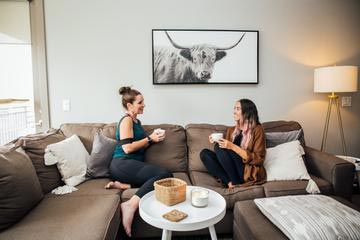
(205, 56)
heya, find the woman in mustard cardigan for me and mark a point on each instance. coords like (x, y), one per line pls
(239, 158)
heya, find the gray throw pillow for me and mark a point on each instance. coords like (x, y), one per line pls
(275, 138)
(20, 189)
(100, 157)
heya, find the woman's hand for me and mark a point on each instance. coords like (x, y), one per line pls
(211, 140)
(223, 143)
(157, 137)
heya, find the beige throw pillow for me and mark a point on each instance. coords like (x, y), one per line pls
(70, 157)
(285, 162)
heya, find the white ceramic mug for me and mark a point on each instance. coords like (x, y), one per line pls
(217, 136)
(159, 131)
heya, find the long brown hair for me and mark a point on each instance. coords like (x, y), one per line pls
(250, 120)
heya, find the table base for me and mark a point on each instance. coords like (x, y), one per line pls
(166, 234)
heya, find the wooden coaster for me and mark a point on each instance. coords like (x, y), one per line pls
(175, 215)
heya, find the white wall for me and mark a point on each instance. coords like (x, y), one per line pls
(95, 46)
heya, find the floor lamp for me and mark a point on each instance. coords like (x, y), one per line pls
(333, 80)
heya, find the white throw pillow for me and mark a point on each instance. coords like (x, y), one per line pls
(70, 156)
(285, 162)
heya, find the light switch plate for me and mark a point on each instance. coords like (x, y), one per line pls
(66, 105)
(346, 101)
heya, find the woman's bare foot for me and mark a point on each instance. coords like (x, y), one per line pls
(230, 185)
(117, 185)
(128, 210)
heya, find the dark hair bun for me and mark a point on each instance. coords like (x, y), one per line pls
(124, 90)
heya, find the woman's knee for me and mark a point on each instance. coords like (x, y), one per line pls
(220, 152)
(112, 169)
(217, 148)
(164, 174)
(205, 154)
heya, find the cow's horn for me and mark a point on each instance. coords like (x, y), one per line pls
(227, 48)
(174, 44)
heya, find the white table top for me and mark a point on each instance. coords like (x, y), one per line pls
(151, 211)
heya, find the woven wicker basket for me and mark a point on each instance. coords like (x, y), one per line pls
(170, 191)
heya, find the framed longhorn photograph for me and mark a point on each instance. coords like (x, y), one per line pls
(205, 56)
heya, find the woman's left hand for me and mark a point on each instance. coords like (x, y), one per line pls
(223, 143)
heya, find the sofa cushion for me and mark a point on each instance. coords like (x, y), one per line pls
(198, 139)
(34, 146)
(68, 217)
(91, 187)
(85, 131)
(20, 189)
(170, 154)
(295, 187)
(109, 130)
(127, 194)
(231, 195)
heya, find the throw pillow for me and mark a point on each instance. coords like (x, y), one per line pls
(20, 189)
(275, 138)
(100, 157)
(34, 146)
(70, 157)
(285, 162)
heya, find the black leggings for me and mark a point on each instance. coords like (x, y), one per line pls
(224, 164)
(137, 174)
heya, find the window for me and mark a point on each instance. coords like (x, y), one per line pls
(23, 79)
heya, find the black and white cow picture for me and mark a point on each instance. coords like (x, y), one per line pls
(187, 64)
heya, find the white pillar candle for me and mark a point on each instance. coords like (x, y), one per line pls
(199, 197)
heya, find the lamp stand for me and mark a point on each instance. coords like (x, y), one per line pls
(333, 99)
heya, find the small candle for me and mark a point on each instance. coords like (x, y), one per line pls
(199, 197)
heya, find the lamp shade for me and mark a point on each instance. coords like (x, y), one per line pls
(336, 79)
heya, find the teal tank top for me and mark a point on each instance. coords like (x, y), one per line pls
(139, 133)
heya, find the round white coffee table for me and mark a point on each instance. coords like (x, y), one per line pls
(151, 211)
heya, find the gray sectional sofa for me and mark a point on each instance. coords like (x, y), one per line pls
(93, 212)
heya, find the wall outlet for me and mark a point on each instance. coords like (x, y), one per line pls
(346, 101)
(66, 105)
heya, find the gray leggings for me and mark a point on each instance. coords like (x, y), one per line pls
(137, 174)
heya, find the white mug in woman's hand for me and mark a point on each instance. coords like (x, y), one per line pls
(159, 131)
(216, 136)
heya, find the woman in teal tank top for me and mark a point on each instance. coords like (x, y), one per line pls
(128, 168)
(139, 134)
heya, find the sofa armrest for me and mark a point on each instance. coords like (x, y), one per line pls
(337, 171)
